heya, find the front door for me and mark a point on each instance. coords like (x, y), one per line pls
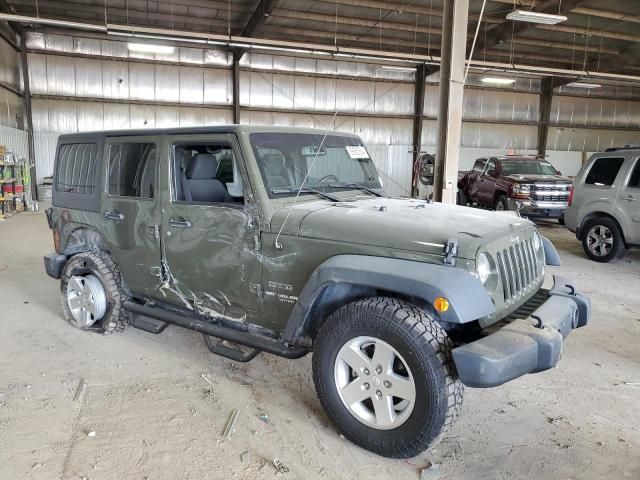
(131, 211)
(487, 184)
(211, 243)
(628, 204)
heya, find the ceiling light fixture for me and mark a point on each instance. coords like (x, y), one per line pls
(583, 85)
(150, 48)
(498, 80)
(535, 17)
(398, 69)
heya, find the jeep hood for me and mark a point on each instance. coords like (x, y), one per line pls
(400, 224)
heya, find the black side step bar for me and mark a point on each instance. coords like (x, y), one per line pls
(216, 330)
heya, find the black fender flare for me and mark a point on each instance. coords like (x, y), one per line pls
(551, 256)
(467, 298)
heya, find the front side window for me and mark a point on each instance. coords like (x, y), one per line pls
(327, 163)
(76, 168)
(527, 167)
(604, 171)
(634, 180)
(132, 170)
(491, 168)
(206, 172)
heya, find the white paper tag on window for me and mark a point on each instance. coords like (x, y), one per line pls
(357, 151)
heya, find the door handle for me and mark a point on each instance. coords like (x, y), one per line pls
(629, 198)
(113, 215)
(180, 223)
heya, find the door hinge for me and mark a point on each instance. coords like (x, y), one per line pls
(154, 231)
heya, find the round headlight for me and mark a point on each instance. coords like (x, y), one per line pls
(483, 267)
(537, 242)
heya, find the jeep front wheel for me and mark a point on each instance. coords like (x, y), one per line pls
(385, 376)
(91, 292)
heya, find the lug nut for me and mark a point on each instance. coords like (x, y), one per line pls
(378, 393)
(378, 369)
(366, 386)
(387, 384)
(366, 371)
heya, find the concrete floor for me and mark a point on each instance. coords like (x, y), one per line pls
(147, 412)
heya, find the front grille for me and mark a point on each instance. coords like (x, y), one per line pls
(550, 198)
(550, 192)
(518, 269)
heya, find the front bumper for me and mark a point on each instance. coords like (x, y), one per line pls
(531, 341)
(538, 209)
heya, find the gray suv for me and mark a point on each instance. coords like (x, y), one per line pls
(604, 206)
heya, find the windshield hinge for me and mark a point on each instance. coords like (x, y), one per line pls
(450, 252)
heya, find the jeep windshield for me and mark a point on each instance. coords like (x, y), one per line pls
(527, 167)
(332, 164)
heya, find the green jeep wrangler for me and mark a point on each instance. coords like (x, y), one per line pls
(279, 240)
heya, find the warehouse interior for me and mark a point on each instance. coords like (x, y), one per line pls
(157, 406)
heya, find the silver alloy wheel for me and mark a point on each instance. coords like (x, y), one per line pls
(87, 299)
(374, 383)
(600, 240)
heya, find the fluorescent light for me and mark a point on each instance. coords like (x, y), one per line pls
(498, 80)
(583, 85)
(398, 69)
(535, 17)
(150, 48)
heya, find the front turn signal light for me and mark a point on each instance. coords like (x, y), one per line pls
(441, 304)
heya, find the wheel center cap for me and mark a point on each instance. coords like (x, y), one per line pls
(376, 381)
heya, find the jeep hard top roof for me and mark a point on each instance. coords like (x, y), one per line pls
(240, 129)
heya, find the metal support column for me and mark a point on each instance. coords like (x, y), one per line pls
(33, 179)
(237, 54)
(421, 77)
(545, 114)
(454, 41)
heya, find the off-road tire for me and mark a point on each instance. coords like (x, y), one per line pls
(104, 267)
(427, 350)
(502, 199)
(619, 247)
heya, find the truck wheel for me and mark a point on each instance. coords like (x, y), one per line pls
(501, 203)
(561, 219)
(92, 293)
(385, 376)
(602, 240)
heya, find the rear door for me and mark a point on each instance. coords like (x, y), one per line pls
(131, 209)
(628, 202)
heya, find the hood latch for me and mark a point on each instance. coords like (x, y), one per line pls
(450, 252)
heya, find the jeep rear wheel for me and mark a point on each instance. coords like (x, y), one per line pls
(385, 376)
(92, 294)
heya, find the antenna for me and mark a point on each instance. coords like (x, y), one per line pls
(277, 243)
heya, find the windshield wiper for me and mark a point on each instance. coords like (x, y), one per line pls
(294, 189)
(356, 186)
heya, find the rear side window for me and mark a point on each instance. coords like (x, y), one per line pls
(132, 170)
(76, 171)
(479, 165)
(634, 181)
(604, 171)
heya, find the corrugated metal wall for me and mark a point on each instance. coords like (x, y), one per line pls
(88, 84)
(11, 106)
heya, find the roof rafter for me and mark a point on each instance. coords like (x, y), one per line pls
(259, 17)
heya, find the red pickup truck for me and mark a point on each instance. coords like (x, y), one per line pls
(528, 184)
